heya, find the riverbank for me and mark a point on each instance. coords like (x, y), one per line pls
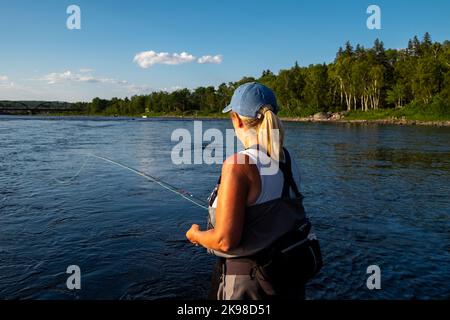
(340, 118)
(333, 119)
(319, 118)
(379, 118)
(400, 122)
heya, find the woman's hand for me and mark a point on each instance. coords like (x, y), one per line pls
(191, 234)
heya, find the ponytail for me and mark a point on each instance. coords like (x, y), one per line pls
(270, 132)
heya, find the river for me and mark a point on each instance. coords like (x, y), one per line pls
(377, 195)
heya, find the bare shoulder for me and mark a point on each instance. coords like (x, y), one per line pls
(239, 165)
(237, 159)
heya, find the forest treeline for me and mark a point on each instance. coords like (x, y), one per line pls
(359, 78)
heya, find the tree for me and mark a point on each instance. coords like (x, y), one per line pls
(137, 105)
(397, 95)
(425, 81)
(358, 79)
(316, 88)
(97, 106)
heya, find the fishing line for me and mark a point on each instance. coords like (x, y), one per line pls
(68, 181)
(182, 193)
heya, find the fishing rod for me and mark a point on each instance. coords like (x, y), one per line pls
(180, 192)
(185, 194)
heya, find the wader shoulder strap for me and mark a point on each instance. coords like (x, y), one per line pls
(289, 181)
(212, 197)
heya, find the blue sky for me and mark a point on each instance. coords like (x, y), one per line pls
(41, 59)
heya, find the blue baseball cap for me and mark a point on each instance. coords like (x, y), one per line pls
(249, 98)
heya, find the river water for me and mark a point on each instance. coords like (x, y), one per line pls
(377, 195)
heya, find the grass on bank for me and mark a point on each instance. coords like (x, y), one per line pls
(434, 112)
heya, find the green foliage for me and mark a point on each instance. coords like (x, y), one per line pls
(410, 82)
(438, 110)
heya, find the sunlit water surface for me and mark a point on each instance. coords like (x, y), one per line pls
(376, 195)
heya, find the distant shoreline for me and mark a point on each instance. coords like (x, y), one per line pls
(399, 122)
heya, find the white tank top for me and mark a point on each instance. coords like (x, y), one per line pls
(270, 216)
(271, 184)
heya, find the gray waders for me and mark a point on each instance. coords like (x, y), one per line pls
(275, 257)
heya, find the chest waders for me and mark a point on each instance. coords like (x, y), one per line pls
(277, 254)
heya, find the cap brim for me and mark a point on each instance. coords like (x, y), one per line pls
(227, 109)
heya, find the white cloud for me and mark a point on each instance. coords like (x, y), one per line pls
(61, 79)
(148, 59)
(84, 77)
(5, 83)
(139, 89)
(217, 59)
(170, 89)
(55, 77)
(173, 88)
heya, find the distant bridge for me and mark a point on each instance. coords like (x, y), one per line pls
(35, 107)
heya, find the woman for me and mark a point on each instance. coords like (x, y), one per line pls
(256, 211)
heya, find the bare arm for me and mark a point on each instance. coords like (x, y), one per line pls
(230, 213)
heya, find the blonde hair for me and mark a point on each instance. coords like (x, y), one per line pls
(269, 131)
